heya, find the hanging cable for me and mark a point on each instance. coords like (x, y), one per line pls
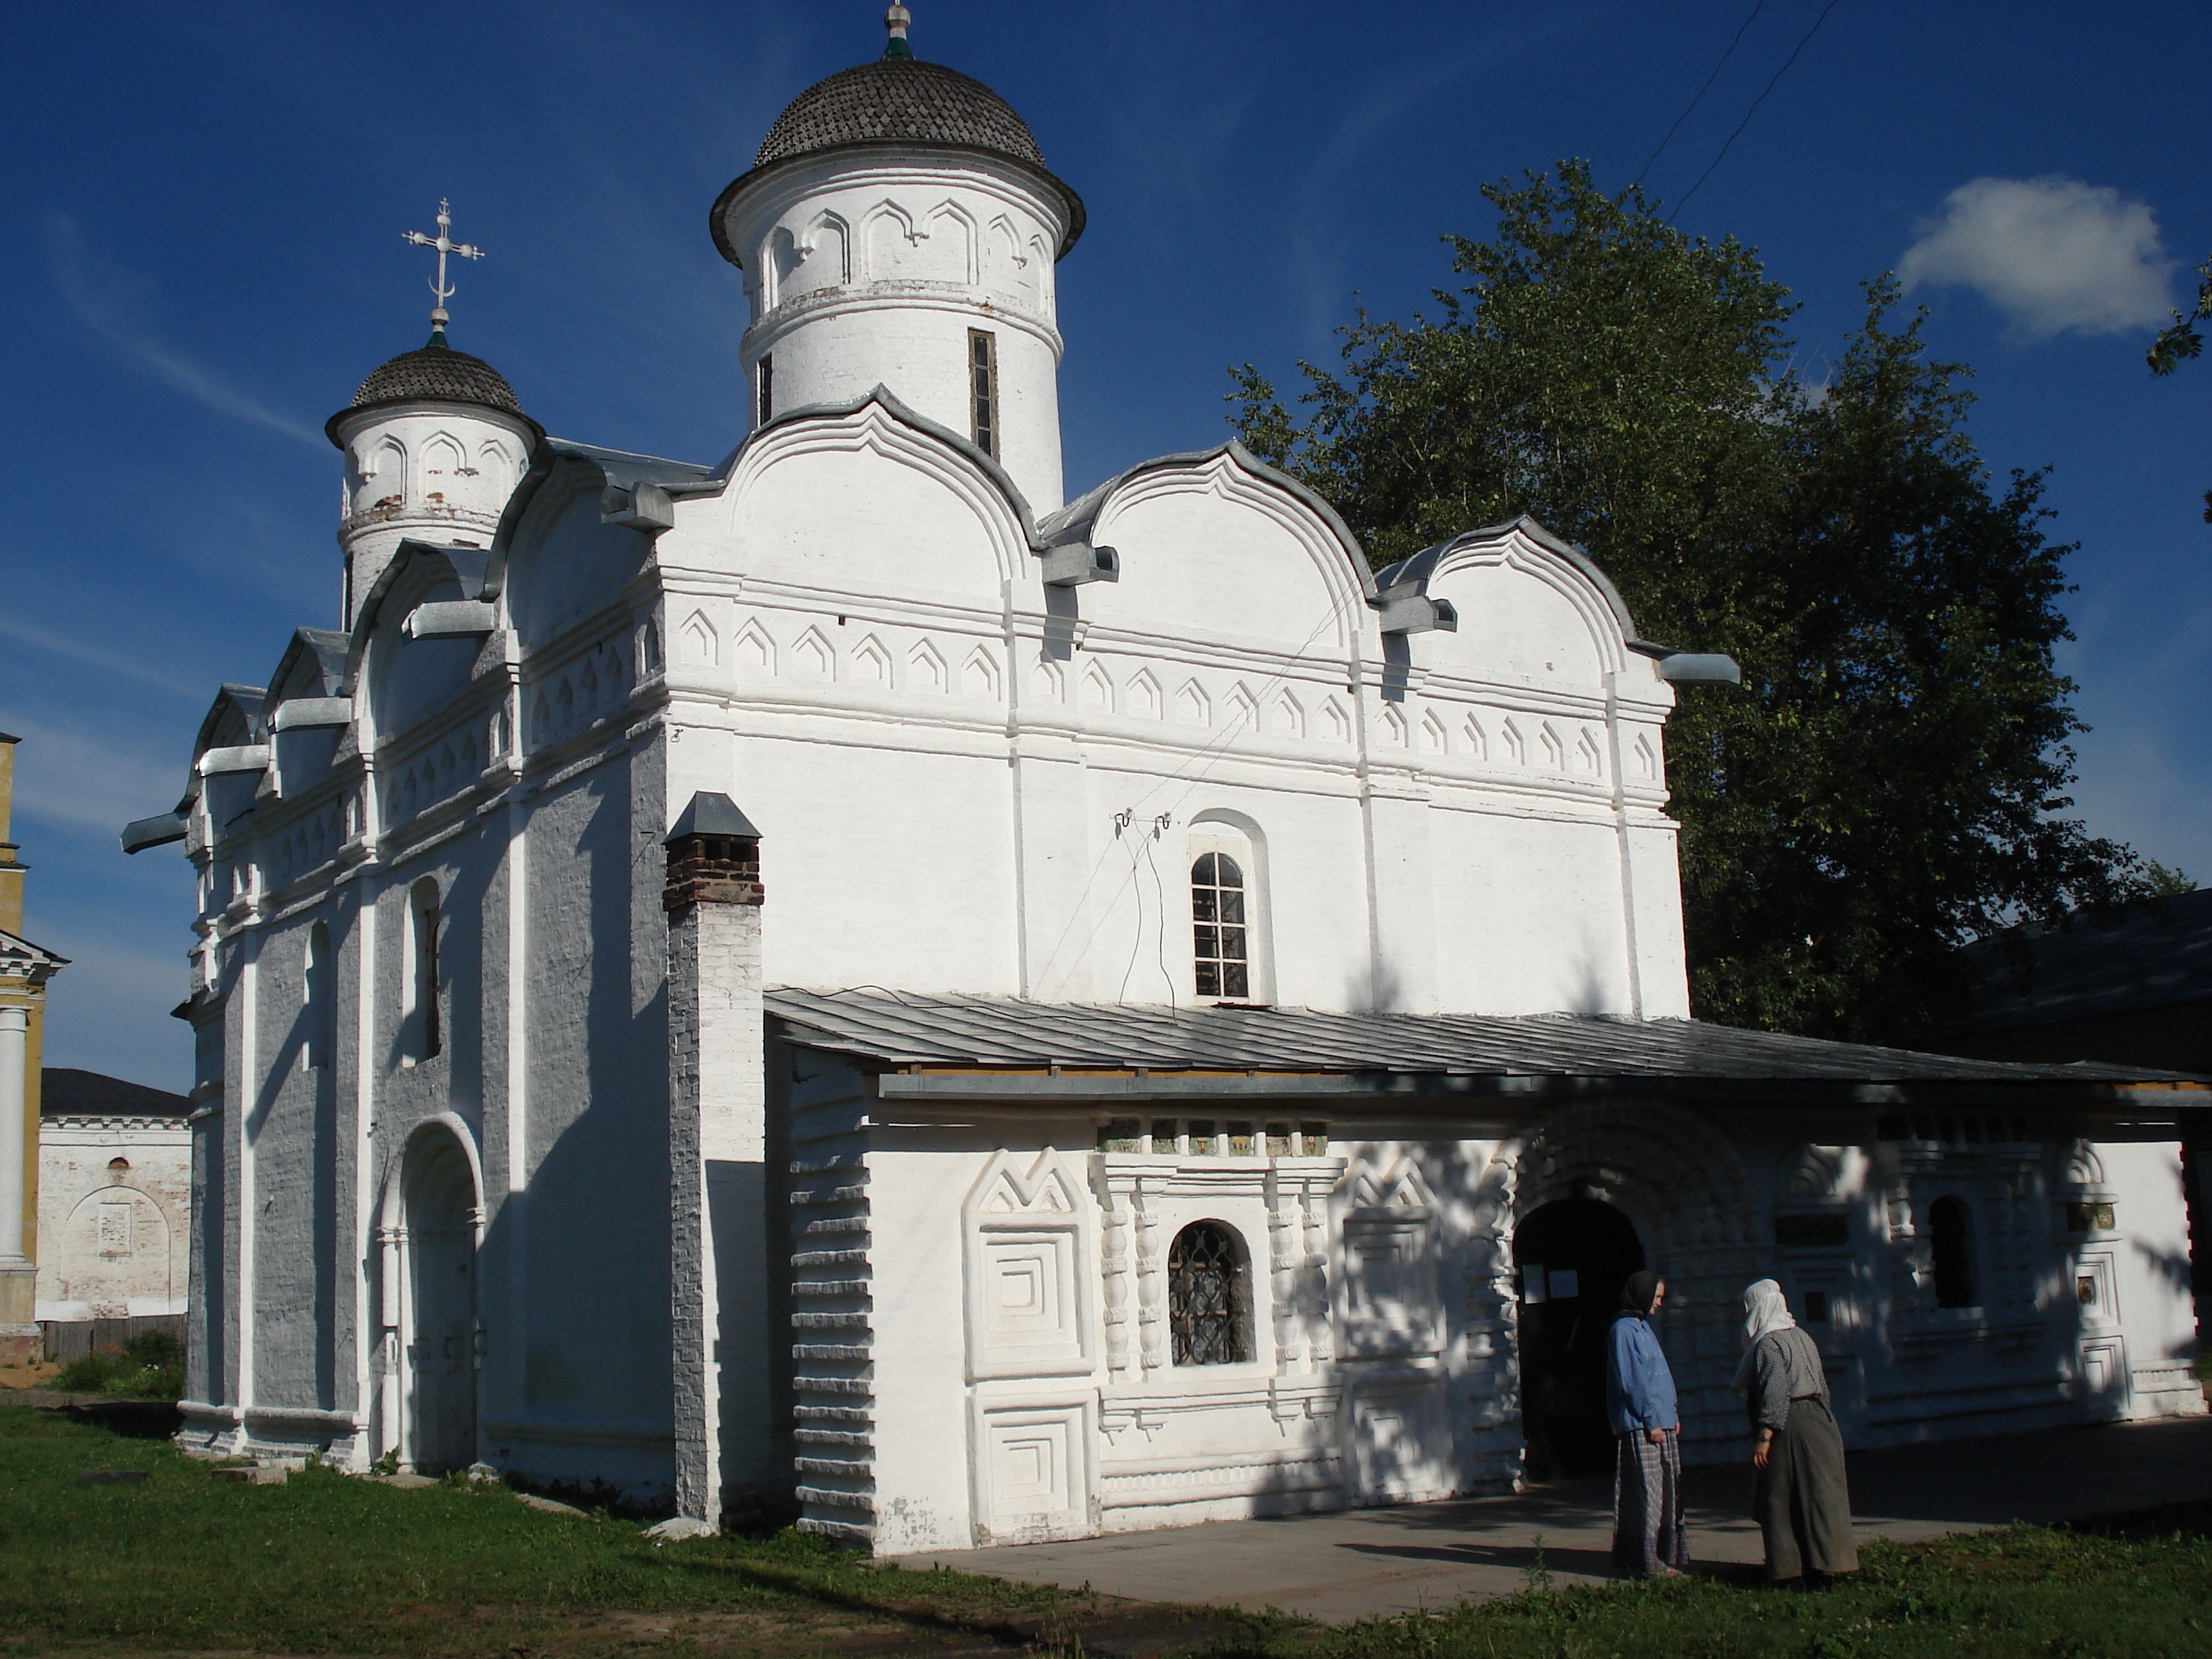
(1803, 43)
(1204, 759)
(1160, 901)
(1757, 6)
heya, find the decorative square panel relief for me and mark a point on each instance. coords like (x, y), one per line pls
(1032, 1472)
(1027, 1294)
(1399, 1442)
(2095, 1301)
(2104, 1373)
(1391, 1301)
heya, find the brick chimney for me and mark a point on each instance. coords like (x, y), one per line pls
(717, 1149)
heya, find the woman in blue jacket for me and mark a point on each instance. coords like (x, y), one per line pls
(1647, 1426)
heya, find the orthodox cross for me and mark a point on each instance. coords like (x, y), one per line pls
(439, 288)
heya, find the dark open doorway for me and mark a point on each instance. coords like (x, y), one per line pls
(1573, 1257)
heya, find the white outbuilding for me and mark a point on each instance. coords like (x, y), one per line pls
(843, 984)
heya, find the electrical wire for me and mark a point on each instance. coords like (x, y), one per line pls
(1757, 6)
(1160, 933)
(1204, 760)
(1803, 43)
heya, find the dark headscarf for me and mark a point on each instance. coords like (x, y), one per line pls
(1636, 1295)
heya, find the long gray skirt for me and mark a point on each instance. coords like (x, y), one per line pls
(1647, 1535)
(1801, 1499)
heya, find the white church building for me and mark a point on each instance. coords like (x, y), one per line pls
(844, 984)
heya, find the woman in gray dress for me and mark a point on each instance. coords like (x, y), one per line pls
(1800, 1497)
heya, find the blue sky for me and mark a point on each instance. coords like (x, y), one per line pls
(206, 260)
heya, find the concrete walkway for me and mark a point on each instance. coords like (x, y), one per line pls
(1355, 1563)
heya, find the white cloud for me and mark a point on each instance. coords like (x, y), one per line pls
(2052, 253)
(96, 778)
(109, 1011)
(105, 303)
(72, 649)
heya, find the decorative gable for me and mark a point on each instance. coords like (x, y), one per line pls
(1390, 1300)
(1028, 1290)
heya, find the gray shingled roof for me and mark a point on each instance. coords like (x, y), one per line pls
(2154, 956)
(433, 374)
(899, 100)
(896, 100)
(906, 1029)
(64, 1091)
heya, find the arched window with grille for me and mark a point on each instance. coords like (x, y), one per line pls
(1951, 1241)
(1209, 1295)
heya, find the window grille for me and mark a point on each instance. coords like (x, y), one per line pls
(983, 389)
(1220, 937)
(1208, 1295)
(767, 376)
(1950, 1226)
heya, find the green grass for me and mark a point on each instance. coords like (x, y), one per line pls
(2134, 1585)
(151, 1366)
(325, 1564)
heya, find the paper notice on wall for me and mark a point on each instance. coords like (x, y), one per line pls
(1567, 1284)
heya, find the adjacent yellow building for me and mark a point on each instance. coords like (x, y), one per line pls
(24, 967)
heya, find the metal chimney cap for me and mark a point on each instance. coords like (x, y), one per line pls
(712, 814)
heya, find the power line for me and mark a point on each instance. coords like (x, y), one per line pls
(1755, 103)
(1757, 6)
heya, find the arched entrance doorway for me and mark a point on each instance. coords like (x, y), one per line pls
(438, 1214)
(1573, 1257)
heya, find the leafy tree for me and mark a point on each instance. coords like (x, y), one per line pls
(2179, 339)
(1890, 781)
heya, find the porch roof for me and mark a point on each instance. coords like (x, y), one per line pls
(1005, 1045)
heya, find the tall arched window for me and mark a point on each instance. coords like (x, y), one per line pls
(1951, 1240)
(1209, 1297)
(422, 985)
(1221, 930)
(1231, 959)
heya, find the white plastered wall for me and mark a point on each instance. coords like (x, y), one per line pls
(923, 732)
(2148, 1263)
(1073, 1418)
(861, 275)
(112, 1241)
(440, 472)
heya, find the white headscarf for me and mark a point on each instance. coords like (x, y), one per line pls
(1765, 1311)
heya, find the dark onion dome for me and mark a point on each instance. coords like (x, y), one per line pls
(899, 100)
(903, 102)
(434, 373)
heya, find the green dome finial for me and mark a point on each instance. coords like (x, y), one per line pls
(896, 19)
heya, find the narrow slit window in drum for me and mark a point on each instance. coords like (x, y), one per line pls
(983, 389)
